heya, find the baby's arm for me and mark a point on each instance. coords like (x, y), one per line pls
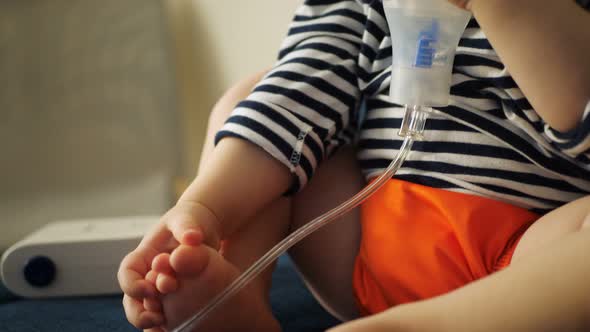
(238, 180)
(545, 45)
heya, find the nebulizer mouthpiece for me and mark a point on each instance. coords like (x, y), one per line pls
(424, 34)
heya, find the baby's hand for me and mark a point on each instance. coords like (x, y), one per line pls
(188, 223)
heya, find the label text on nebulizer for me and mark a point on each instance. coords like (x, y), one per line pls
(426, 48)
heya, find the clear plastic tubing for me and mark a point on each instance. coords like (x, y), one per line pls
(412, 129)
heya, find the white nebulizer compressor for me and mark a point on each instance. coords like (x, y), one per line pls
(72, 258)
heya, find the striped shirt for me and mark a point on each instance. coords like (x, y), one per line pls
(336, 61)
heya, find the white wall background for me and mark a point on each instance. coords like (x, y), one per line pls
(218, 43)
(103, 103)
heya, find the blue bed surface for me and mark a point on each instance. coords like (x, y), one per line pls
(292, 304)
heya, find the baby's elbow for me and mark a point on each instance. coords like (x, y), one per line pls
(568, 112)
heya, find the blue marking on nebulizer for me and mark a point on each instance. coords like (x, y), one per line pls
(426, 48)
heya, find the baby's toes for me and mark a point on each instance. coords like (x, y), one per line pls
(151, 277)
(189, 261)
(166, 284)
(161, 264)
(165, 278)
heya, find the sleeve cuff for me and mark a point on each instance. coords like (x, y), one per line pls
(280, 133)
(576, 141)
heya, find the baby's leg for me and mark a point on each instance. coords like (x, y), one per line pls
(326, 258)
(188, 284)
(570, 218)
(334, 246)
(250, 309)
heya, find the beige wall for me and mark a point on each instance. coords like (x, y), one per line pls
(88, 122)
(218, 42)
(90, 94)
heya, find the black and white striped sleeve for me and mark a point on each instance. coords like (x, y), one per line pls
(576, 142)
(299, 111)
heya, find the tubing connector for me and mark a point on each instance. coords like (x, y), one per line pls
(414, 122)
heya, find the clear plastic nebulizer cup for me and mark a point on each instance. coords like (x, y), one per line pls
(424, 37)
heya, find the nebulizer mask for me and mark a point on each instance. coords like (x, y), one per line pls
(424, 37)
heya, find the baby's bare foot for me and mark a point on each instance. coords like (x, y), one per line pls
(191, 276)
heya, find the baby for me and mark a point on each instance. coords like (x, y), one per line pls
(480, 222)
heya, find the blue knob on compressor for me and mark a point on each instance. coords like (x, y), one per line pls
(39, 271)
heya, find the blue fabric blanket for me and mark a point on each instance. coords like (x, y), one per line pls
(292, 304)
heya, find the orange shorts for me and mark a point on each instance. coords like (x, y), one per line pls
(419, 242)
